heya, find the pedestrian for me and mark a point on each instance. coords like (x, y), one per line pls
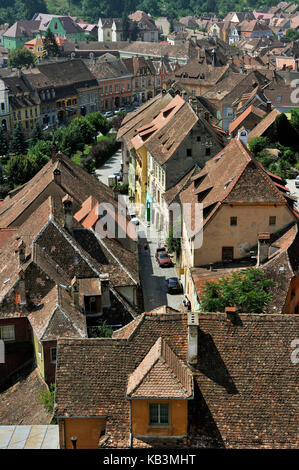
(189, 306)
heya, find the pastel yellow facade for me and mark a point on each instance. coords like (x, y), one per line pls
(36, 46)
(39, 355)
(141, 177)
(27, 116)
(220, 235)
(67, 108)
(87, 431)
(178, 418)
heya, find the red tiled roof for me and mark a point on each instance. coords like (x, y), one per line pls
(251, 109)
(160, 375)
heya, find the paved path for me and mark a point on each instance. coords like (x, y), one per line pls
(153, 278)
(111, 165)
(293, 190)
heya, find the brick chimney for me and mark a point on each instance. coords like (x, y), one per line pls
(231, 313)
(193, 324)
(105, 291)
(68, 212)
(263, 247)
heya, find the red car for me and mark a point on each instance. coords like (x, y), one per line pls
(163, 259)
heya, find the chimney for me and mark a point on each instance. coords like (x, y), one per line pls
(21, 252)
(22, 289)
(57, 176)
(231, 314)
(193, 324)
(105, 291)
(75, 292)
(263, 247)
(68, 212)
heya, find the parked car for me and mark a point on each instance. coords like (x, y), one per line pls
(163, 259)
(174, 286)
(108, 114)
(297, 182)
(161, 249)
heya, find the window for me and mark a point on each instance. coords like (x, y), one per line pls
(111, 88)
(53, 355)
(189, 152)
(2, 106)
(102, 90)
(272, 220)
(129, 86)
(7, 333)
(159, 414)
(233, 220)
(198, 138)
(208, 152)
(227, 253)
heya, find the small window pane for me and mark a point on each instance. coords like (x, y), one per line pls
(164, 414)
(154, 414)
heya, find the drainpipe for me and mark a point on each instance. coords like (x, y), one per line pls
(131, 434)
(63, 434)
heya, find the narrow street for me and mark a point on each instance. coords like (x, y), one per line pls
(152, 277)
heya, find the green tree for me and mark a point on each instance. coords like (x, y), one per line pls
(99, 122)
(3, 142)
(19, 170)
(21, 57)
(36, 134)
(249, 291)
(47, 398)
(18, 144)
(51, 48)
(283, 131)
(257, 144)
(39, 154)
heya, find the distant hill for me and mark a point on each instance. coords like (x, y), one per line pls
(91, 10)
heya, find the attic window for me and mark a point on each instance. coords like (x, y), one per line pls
(202, 76)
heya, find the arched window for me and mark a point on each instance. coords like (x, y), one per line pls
(4, 125)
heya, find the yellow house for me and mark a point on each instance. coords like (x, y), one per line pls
(24, 103)
(36, 46)
(67, 107)
(159, 402)
(240, 201)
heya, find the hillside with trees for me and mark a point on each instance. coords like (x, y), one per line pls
(91, 10)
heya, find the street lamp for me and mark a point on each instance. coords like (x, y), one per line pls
(74, 442)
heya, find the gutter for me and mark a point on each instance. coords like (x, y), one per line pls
(131, 434)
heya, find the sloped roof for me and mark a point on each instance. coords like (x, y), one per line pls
(160, 375)
(238, 121)
(240, 369)
(264, 124)
(232, 175)
(57, 317)
(22, 29)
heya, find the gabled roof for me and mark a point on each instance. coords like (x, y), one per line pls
(240, 369)
(57, 317)
(160, 374)
(22, 29)
(233, 175)
(264, 124)
(238, 121)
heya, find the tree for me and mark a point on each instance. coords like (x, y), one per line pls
(283, 131)
(36, 134)
(47, 398)
(21, 57)
(39, 154)
(99, 122)
(257, 144)
(19, 169)
(18, 143)
(249, 291)
(3, 142)
(51, 48)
